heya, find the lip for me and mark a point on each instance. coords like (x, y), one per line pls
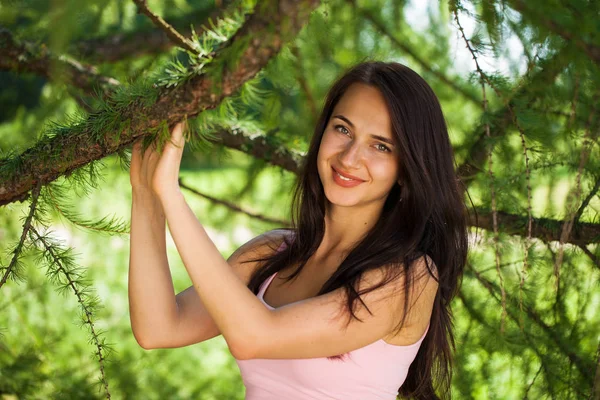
(355, 181)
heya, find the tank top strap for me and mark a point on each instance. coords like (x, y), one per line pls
(265, 285)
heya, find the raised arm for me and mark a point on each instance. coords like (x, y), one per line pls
(159, 318)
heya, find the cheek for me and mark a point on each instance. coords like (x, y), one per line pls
(384, 171)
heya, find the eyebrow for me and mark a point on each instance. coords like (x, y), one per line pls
(378, 137)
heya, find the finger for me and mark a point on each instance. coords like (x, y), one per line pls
(177, 137)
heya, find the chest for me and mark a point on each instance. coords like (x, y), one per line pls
(306, 284)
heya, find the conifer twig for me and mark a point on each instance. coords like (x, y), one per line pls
(234, 207)
(81, 299)
(129, 45)
(26, 227)
(482, 81)
(171, 32)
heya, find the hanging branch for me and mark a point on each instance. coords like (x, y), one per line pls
(57, 264)
(574, 196)
(582, 366)
(120, 124)
(413, 54)
(26, 57)
(111, 226)
(235, 207)
(26, 227)
(176, 37)
(490, 171)
(499, 121)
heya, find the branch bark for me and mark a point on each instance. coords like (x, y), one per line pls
(545, 229)
(26, 57)
(264, 32)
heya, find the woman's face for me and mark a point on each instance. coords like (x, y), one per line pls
(357, 160)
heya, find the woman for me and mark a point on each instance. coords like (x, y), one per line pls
(353, 302)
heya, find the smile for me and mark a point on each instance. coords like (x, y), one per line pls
(343, 180)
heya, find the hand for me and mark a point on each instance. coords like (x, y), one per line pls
(155, 172)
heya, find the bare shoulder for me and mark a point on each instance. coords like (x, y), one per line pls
(243, 259)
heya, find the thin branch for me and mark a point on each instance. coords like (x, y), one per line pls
(129, 45)
(19, 57)
(260, 146)
(171, 32)
(402, 44)
(574, 196)
(591, 255)
(587, 200)
(482, 80)
(500, 120)
(235, 207)
(582, 365)
(592, 50)
(87, 312)
(265, 31)
(26, 227)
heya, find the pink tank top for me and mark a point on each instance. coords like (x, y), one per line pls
(373, 372)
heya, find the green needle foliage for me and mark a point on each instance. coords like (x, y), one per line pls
(519, 85)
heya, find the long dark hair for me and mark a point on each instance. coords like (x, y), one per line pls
(426, 216)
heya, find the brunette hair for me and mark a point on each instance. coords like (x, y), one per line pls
(424, 218)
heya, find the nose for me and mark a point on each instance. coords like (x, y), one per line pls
(351, 156)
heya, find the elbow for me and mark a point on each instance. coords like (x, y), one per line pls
(244, 348)
(145, 340)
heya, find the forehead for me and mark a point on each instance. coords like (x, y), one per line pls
(365, 106)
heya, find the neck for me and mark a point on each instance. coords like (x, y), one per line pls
(346, 226)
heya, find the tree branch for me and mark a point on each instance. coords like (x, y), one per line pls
(500, 120)
(264, 32)
(582, 365)
(176, 37)
(545, 229)
(235, 207)
(592, 50)
(26, 227)
(25, 57)
(413, 54)
(260, 146)
(116, 47)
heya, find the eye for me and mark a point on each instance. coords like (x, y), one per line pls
(382, 147)
(343, 127)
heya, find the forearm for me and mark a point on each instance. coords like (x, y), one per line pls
(239, 315)
(152, 302)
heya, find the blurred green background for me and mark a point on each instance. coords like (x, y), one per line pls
(527, 325)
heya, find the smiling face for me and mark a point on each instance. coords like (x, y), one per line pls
(357, 159)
